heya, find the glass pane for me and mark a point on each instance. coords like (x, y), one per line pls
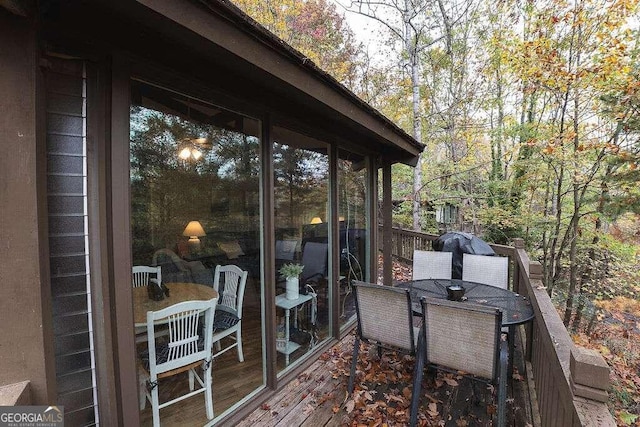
(354, 236)
(301, 167)
(195, 205)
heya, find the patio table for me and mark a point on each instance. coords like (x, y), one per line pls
(516, 308)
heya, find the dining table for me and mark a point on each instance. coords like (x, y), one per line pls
(178, 292)
(516, 309)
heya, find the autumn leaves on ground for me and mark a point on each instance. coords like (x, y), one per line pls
(382, 394)
(617, 337)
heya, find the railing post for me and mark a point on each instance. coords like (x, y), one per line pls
(535, 270)
(517, 244)
(589, 374)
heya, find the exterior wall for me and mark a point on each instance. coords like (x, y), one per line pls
(25, 336)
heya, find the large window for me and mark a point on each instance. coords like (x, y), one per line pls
(195, 204)
(301, 169)
(354, 234)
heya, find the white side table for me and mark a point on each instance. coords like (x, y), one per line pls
(287, 305)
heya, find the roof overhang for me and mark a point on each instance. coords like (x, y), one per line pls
(236, 47)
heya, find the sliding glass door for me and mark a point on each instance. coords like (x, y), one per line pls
(195, 205)
(301, 195)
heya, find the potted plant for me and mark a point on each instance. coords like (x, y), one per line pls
(291, 272)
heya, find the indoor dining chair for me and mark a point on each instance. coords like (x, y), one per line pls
(230, 281)
(187, 348)
(463, 338)
(142, 275)
(489, 270)
(385, 319)
(431, 265)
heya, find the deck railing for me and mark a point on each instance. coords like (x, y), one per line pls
(570, 382)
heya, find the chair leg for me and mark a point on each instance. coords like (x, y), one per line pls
(142, 392)
(502, 384)
(354, 361)
(192, 378)
(239, 343)
(155, 403)
(208, 391)
(417, 380)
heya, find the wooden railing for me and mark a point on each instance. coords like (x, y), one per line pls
(560, 374)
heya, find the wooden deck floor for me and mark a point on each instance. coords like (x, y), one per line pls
(318, 398)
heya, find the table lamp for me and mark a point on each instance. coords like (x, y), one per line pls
(194, 231)
(316, 220)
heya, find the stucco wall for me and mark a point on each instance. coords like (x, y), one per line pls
(22, 328)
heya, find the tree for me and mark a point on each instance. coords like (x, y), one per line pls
(315, 28)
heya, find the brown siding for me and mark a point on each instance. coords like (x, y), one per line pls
(24, 304)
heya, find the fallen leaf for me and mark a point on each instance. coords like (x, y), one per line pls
(349, 406)
(432, 410)
(451, 382)
(406, 392)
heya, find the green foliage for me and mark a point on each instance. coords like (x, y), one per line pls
(627, 418)
(291, 270)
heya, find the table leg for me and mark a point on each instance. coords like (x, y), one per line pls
(286, 335)
(511, 339)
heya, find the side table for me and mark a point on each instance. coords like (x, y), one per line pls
(287, 305)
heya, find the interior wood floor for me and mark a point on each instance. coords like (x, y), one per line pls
(232, 380)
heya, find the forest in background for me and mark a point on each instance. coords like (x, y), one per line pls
(530, 115)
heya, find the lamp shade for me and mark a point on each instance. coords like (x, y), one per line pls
(316, 220)
(194, 229)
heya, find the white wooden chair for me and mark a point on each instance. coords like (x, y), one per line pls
(431, 265)
(489, 270)
(464, 338)
(385, 319)
(228, 318)
(143, 275)
(188, 347)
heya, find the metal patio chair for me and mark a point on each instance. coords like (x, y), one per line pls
(462, 337)
(188, 347)
(431, 265)
(489, 270)
(385, 319)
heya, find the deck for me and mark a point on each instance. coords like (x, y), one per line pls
(318, 397)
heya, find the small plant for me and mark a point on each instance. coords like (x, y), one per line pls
(291, 270)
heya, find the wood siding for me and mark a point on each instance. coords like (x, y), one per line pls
(68, 237)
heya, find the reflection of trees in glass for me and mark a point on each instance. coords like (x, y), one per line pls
(167, 191)
(301, 182)
(352, 194)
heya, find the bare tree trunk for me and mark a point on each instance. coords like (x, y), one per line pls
(411, 46)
